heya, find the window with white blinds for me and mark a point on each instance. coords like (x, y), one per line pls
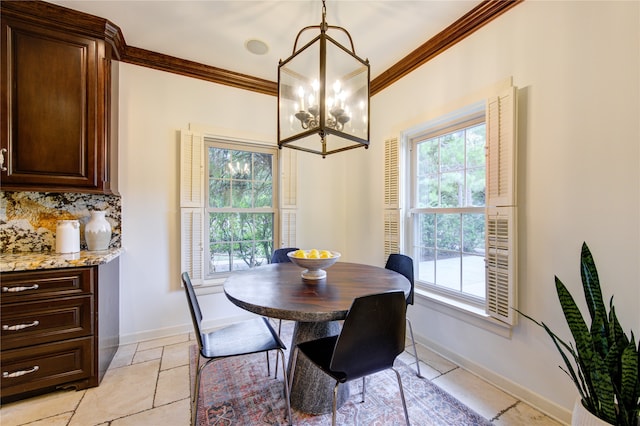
(460, 176)
(230, 212)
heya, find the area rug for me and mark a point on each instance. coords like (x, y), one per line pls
(237, 391)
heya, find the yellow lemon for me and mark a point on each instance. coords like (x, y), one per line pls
(324, 254)
(300, 254)
(313, 255)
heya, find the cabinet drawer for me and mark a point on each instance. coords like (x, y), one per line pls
(25, 286)
(33, 323)
(46, 366)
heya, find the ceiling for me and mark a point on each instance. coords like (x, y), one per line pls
(214, 33)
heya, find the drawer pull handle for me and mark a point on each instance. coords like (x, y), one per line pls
(7, 375)
(17, 289)
(20, 326)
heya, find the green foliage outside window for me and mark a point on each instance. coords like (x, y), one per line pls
(241, 218)
(450, 194)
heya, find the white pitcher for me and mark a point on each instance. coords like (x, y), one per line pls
(68, 236)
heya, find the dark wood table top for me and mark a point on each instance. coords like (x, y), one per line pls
(277, 290)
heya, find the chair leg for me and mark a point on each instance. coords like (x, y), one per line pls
(196, 389)
(415, 352)
(278, 353)
(335, 403)
(404, 403)
(287, 391)
(363, 389)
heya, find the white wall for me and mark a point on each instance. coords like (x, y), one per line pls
(577, 67)
(154, 106)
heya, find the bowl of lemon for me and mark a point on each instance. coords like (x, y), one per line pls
(314, 261)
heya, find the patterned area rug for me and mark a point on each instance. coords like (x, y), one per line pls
(237, 391)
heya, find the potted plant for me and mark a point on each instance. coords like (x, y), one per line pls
(602, 362)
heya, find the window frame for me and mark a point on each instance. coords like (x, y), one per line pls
(462, 119)
(501, 254)
(217, 142)
(192, 177)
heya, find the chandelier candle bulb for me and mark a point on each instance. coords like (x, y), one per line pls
(97, 232)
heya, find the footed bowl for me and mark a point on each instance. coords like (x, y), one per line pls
(314, 268)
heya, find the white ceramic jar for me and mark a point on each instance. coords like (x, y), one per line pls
(97, 232)
(67, 236)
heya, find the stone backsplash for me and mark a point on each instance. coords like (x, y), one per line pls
(28, 220)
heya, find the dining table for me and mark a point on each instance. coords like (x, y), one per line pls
(277, 290)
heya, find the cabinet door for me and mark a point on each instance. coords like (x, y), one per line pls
(51, 102)
(42, 367)
(33, 323)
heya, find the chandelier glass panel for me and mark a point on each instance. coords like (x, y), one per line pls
(323, 96)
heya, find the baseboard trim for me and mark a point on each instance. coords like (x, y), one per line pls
(160, 333)
(538, 402)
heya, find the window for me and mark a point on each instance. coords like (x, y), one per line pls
(229, 199)
(447, 207)
(241, 200)
(450, 203)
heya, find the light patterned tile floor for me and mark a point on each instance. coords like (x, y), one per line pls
(148, 384)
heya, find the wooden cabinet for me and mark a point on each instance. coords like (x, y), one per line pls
(60, 328)
(57, 100)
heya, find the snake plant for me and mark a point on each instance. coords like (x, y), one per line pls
(602, 362)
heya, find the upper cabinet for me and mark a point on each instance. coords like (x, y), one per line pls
(59, 99)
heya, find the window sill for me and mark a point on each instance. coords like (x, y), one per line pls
(461, 311)
(212, 286)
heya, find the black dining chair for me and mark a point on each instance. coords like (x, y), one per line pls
(371, 338)
(403, 264)
(243, 338)
(280, 256)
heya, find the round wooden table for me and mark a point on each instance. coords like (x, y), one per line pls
(278, 291)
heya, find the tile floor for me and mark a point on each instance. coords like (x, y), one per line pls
(148, 384)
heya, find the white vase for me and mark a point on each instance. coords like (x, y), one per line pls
(97, 232)
(583, 417)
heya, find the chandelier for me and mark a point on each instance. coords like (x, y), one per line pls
(323, 90)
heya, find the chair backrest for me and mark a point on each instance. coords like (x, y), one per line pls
(372, 335)
(280, 255)
(194, 308)
(402, 264)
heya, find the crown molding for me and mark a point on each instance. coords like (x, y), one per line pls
(43, 13)
(475, 19)
(53, 16)
(162, 62)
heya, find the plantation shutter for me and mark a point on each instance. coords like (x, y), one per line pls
(192, 205)
(289, 181)
(191, 239)
(500, 263)
(289, 197)
(391, 174)
(501, 149)
(500, 229)
(391, 232)
(392, 223)
(288, 228)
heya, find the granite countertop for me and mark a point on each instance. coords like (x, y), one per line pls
(10, 262)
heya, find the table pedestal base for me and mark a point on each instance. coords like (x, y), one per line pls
(312, 390)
